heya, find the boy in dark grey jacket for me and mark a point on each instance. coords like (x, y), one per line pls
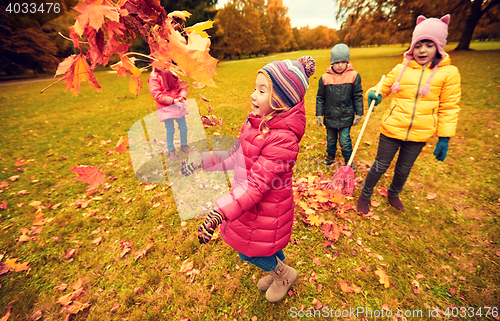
(339, 103)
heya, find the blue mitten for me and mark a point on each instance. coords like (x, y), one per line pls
(372, 96)
(441, 148)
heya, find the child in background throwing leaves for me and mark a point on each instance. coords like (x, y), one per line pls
(170, 94)
(256, 218)
(426, 101)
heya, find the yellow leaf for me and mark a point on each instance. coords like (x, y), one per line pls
(315, 220)
(384, 279)
(180, 14)
(200, 28)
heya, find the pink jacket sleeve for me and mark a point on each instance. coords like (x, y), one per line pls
(219, 160)
(161, 96)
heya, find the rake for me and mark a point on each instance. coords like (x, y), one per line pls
(342, 181)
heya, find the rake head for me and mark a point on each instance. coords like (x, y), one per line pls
(342, 182)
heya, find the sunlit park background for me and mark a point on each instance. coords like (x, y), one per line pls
(122, 252)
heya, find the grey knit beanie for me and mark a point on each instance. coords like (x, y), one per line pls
(339, 52)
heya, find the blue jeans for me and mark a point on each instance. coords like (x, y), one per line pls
(267, 263)
(344, 137)
(169, 125)
(387, 149)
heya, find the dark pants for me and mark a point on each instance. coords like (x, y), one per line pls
(387, 149)
(344, 138)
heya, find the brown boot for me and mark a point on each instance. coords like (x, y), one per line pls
(265, 282)
(171, 154)
(362, 205)
(185, 149)
(396, 203)
(284, 277)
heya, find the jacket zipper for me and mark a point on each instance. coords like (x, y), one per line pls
(246, 133)
(390, 113)
(415, 103)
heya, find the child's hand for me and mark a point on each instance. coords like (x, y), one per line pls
(207, 229)
(372, 96)
(441, 148)
(191, 164)
(319, 120)
(357, 118)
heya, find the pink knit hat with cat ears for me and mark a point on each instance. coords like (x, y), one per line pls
(432, 29)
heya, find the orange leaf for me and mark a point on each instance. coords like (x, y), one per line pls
(90, 175)
(3, 205)
(4, 184)
(127, 66)
(143, 252)
(195, 60)
(14, 178)
(384, 279)
(331, 231)
(93, 15)
(20, 162)
(69, 253)
(121, 146)
(16, 267)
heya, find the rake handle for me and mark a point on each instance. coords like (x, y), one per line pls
(365, 122)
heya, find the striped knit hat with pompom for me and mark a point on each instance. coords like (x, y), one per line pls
(289, 81)
(426, 29)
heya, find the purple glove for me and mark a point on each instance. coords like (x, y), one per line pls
(207, 229)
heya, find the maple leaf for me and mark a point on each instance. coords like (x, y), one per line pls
(200, 28)
(93, 15)
(126, 65)
(382, 191)
(16, 267)
(384, 279)
(121, 146)
(76, 70)
(315, 220)
(195, 60)
(4, 184)
(3, 205)
(90, 175)
(331, 231)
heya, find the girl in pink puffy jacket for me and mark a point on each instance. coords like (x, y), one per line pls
(170, 94)
(256, 218)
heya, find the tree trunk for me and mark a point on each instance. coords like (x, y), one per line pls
(473, 17)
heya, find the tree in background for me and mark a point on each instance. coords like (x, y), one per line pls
(320, 37)
(392, 21)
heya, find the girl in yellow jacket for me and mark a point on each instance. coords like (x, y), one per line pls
(426, 100)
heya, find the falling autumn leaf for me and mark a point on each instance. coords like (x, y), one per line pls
(127, 66)
(76, 70)
(121, 146)
(90, 175)
(384, 279)
(93, 15)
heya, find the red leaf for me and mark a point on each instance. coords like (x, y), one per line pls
(3, 205)
(382, 191)
(4, 184)
(316, 261)
(331, 231)
(90, 175)
(69, 253)
(20, 162)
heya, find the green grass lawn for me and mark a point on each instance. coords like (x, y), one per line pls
(442, 252)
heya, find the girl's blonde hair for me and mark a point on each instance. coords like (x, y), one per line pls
(263, 127)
